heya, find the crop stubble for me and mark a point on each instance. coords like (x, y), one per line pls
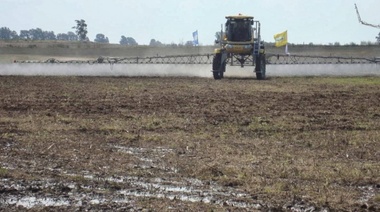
(189, 143)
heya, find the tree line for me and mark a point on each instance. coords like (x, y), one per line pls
(80, 34)
(39, 34)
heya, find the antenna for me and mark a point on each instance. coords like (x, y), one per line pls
(363, 22)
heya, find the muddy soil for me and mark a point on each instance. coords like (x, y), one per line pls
(189, 144)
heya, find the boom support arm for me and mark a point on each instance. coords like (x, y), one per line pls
(363, 22)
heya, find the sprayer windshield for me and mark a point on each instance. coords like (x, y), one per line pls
(239, 30)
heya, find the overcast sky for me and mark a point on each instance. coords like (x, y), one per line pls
(173, 21)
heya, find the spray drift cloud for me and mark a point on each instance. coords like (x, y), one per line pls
(170, 70)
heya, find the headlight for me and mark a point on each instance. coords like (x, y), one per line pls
(247, 46)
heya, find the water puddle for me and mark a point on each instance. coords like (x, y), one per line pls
(369, 192)
(31, 202)
(189, 190)
(47, 193)
(149, 157)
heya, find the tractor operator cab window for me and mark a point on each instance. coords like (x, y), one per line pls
(239, 30)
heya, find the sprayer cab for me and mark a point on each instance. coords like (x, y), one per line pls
(240, 34)
(239, 28)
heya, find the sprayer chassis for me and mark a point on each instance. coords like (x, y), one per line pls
(241, 53)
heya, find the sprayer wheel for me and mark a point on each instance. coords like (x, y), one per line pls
(217, 75)
(261, 67)
(216, 63)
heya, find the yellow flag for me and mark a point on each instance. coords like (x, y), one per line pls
(281, 39)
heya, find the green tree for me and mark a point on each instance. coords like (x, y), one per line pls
(62, 36)
(72, 36)
(14, 35)
(378, 38)
(129, 41)
(154, 42)
(81, 29)
(25, 34)
(123, 40)
(49, 35)
(36, 34)
(7, 34)
(101, 38)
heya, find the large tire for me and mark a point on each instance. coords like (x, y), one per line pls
(260, 67)
(218, 73)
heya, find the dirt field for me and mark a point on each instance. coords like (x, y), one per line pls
(189, 144)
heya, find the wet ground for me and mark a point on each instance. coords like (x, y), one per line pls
(189, 144)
